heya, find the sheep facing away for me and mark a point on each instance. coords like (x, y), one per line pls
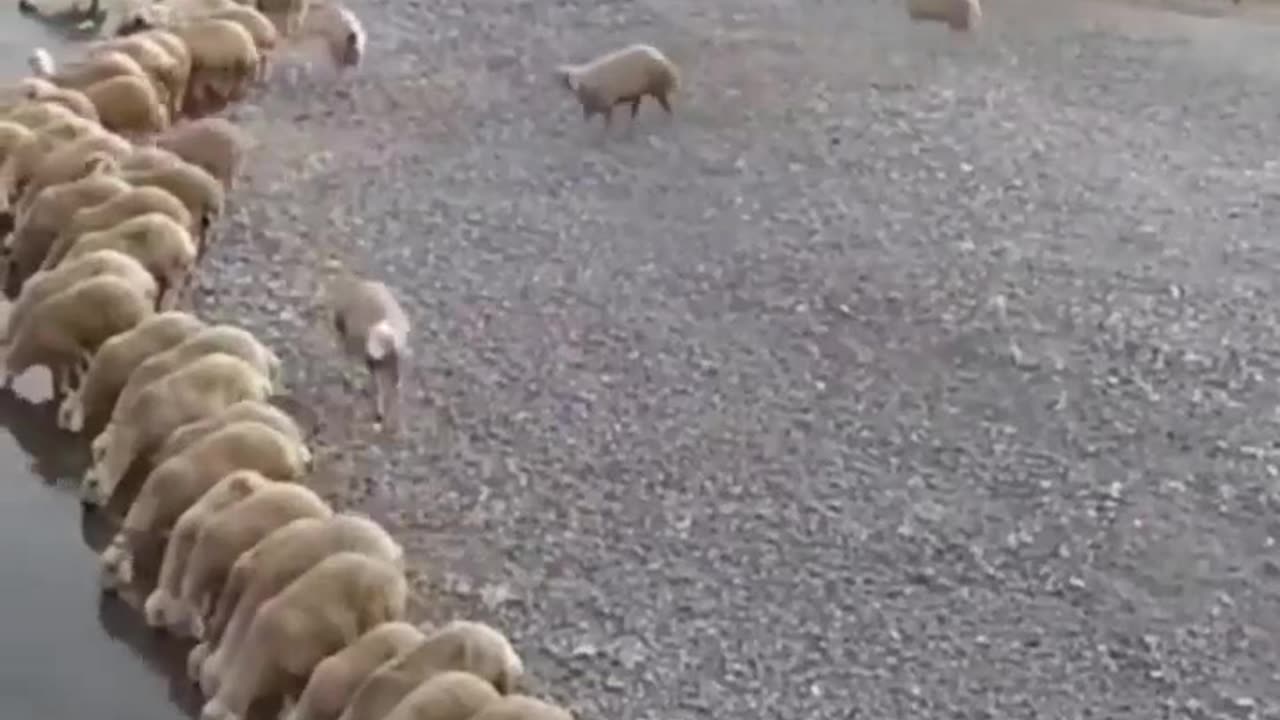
(621, 77)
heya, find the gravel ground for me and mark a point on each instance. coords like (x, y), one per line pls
(903, 374)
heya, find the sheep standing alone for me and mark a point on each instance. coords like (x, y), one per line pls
(371, 325)
(338, 29)
(619, 77)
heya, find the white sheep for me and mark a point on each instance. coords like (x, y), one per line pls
(621, 77)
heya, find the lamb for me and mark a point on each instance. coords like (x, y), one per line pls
(88, 408)
(371, 325)
(196, 188)
(97, 150)
(233, 489)
(215, 144)
(259, 412)
(35, 113)
(226, 339)
(201, 388)
(960, 15)
(224, 59)
(65, 330)
(463, 645)
(622, 76)
(520, 707)
(224, 537)
(336, 678)
(450, 695)
(338, 29)
(49, 213)
(178, 483)
(44, 285)
(326, 609)
(134, 202)
(267, 569)
(129, 105)
(156, 241)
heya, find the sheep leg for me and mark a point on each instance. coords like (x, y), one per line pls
(664, 102)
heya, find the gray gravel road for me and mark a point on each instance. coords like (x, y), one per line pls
(902, 375)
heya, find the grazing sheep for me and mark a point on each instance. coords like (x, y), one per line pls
(225, 537)
(65, 330)
(97, 67)
(12, 135)
(464, 645)
(129, 105)
(521, 707)
(77, 102)
(326, 609)
(163, 246)
(73, 161)
(224, 60)
(450, 695)
(264, 33)
(26, 158)
(32, 114)
(193, 185)
(165, 58)
(214, 143)
(619, 77)
(134, 202)
(267, 569)
(44, 285)
(178, 483)
(50, 212)
(199, 389)
(249, 410)
(336, 678)
(231, 490)
(338, 30)
(371, 325)
(958, 14)
(88, 408)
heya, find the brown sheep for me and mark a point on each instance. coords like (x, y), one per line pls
(50, 212)
(178, 483)
(225, 537)
(326, 609)
(198, 389)
(464, 645)
(65, 330)
(98, 66)
(215, 144)
(264, 33)
(129, 105)
(271, 566)
(371, 325)
(164, 56)
(336, 678)
(132, 203)
(26, 158)
(89, 407)
(163, 246)
(193, 185)
(450, 695)
(624, 76)
(73, 161)
(224, 60)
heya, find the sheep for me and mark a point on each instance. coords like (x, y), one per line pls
(450, 695)
(50, 212)
(287, 15)
(464, 645)
(335, 679)
(258, 412)
(155, 240)
(73, 161)
(264, 33)
(215, 144)
(32, 114)
(371, 324)
(519, 707)
(233, 489)
(193, 185)
(79, 103)
(26, 158)
(44, 285)
(224, 59)
(63, 331)
(178, 483)
(99, 66)
(959, 15)
(129, 105)
(224, 537)
(197, 390)
(165, 58)
(622, 76)
(134, 202)
(323, 611)
(267, 569)
(89, 407)
(226, 339)
(12, 136)
(338, 29)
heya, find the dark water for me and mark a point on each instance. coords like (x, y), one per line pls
(66, 651)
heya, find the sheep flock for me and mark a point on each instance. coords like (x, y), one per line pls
(114, 171)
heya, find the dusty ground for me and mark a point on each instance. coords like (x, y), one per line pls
(902, 375)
